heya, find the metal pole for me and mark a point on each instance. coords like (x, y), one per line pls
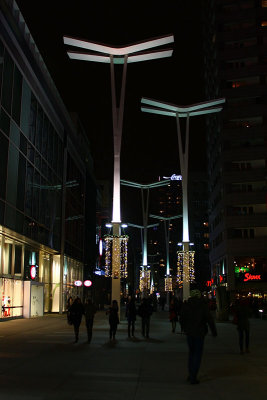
(117, 117)
(183, 155)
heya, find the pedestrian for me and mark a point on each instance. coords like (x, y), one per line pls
(68, 305)
(195, 319)
(145, 311)
(173, 314)
(242, 313)
(113, 319)
(89, 312)
(76, 313)
(131, 315)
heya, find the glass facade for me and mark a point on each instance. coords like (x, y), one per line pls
(31, 198)
(32, 154)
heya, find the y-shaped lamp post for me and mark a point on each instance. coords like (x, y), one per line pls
(172, 110)
(118, 55)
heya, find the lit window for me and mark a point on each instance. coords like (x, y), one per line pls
(263, 23)
(264, 3)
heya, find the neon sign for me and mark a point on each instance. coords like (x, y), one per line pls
(78, 283)
(174, 177)
(249, 277)
(209, 283)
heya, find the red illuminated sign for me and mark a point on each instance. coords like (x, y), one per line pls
(33, 271)
(209, 283)
(249, 277)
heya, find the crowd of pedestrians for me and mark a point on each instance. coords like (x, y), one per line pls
(194, 318)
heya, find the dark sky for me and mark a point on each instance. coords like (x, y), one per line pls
(149, 143)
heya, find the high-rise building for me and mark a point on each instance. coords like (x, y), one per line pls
(235, 43)
(47, 188)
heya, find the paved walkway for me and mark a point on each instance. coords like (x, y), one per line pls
(39, 362)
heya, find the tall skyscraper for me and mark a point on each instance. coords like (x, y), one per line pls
(235, 42)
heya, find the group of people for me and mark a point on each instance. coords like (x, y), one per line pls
(75, 311)
(193, 315)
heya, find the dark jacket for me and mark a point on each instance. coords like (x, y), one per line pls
(76, 312)
(242, 314)
(89, 311)
(196, 317)
(131, 311)
(145, 309)
(113, 315)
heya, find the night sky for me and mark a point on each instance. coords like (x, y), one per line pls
(149, 142)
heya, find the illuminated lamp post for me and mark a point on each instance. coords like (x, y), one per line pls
(118, 55)
(168, 278)
(145, 269)
(171, 110)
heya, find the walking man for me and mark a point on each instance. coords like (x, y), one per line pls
(89, 311)
(195, 319)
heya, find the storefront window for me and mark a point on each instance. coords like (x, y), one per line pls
(55, 283)
(18, 259)
(12, 298)
(7, 258)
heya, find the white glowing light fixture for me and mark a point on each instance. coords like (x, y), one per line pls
(100, 247)
(183, 109)
(78, 283)
(119, 51)
(124, 225)
(108, 225)
(119, 60)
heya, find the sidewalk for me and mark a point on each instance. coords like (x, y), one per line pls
(39, 362)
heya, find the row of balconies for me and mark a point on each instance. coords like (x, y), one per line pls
(244, 153)
(243, 52)
(252, 175)
(244, 91)
(236, 74)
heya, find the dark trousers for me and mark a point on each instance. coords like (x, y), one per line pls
(76, 327)
(195, 345)
(242, 333)
(131, 327)
(145, 326)
(89, 327)
(112, 331)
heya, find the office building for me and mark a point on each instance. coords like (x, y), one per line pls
(45, 174)
(235, 43)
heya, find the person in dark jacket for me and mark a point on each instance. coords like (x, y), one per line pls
(195, 319)
(113, 319)
(89, 312)
(241, 316)
(145, 311)
(76, 313)
(131, 315)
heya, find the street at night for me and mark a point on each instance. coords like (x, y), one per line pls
(39, 362)
(133, 200)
